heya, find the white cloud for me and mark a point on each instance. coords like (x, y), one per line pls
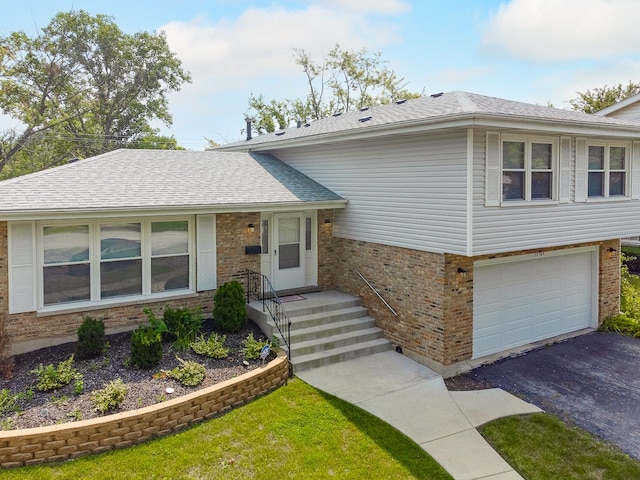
(564, 30)
(230, 58)
(387, 7)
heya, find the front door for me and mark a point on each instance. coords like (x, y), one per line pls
(289, 251)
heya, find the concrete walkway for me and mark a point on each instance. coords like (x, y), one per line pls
(415, 400)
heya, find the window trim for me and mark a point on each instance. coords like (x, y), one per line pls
(95, 300)
(606, 197)
(528, 140)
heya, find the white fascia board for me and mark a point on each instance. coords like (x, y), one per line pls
(146, 212)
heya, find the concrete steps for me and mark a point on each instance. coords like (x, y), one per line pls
(326, 327)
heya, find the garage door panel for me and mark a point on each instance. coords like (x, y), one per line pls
(519, 302)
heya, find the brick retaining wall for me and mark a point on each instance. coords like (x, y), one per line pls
(72, 440)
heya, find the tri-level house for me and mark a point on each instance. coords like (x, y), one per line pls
(486, 225)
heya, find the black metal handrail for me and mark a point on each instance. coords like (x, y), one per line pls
(258, 287)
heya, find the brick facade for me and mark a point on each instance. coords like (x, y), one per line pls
(433, 295)
(29, 331)
(34, 446)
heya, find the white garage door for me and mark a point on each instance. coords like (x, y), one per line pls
(527, 299)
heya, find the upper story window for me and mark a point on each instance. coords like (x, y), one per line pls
(528, 169)
(607, 170)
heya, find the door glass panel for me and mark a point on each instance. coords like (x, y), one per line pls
(289, 230)
(289, 256)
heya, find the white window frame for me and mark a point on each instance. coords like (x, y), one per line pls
(554, 170)
(607, 170)
(94, 259)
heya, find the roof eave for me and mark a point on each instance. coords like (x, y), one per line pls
(77, 213)
(465, 120)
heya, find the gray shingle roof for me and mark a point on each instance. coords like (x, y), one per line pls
(429, 110)
(161, 179)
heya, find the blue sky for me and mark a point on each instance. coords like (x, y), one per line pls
(535, 51)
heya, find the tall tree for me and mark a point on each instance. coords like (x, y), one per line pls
(600, 98)
(84, 86)
(345, 80)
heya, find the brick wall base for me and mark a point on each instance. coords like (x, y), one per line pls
(433, 296)
(64, 442)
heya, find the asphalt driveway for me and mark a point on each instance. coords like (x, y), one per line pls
(592, 381)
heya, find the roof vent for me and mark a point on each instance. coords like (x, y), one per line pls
(307, 124)
(248, 119)
(364, 119)
(436, 95)
(299, 124)
(400, 102)
(281, 132)
(364, 109)
(73, 160)
(336, 114)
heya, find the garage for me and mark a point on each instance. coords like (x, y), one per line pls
(523, 299)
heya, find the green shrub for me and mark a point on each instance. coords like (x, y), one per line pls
(91, 338)
(146, 347)
(622, 324)
(53, 378)
(146, 342)
(212, 347)
(189, 373)
(229, 308)
(251, 347)
(9, 402)
(183, 324)
(112, 395)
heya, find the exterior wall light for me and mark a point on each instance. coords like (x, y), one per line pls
(327, 222)
(251, 228)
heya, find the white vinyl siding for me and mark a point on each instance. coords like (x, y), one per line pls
(408, 192)
(22, 257)
(498, 229)
(206, 256)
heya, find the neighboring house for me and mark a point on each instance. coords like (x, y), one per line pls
(112, 234)
(627, 109)
(487, 224)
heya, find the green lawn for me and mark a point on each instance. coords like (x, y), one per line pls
(294, 432)
(541, 447)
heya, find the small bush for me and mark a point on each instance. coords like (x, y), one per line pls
(251, 347)
(212, 347)
(146, 347)
(622, 324)
(189, 373)
(53, 378)
(91, 338)
(111, 396)
(9, 402)
(229, 308)
(183, 324)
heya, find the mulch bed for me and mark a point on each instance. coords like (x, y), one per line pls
(61, 406)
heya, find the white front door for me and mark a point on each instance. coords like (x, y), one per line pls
(289, 251)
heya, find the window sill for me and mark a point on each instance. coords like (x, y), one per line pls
(607, 199)
(81, 307)
(527, 203)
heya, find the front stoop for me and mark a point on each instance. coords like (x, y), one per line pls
(326, 327)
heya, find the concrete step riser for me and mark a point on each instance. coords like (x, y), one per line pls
(337, 328)
(329, 359)
(329, 343)
(309, 321)
(294, 311)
